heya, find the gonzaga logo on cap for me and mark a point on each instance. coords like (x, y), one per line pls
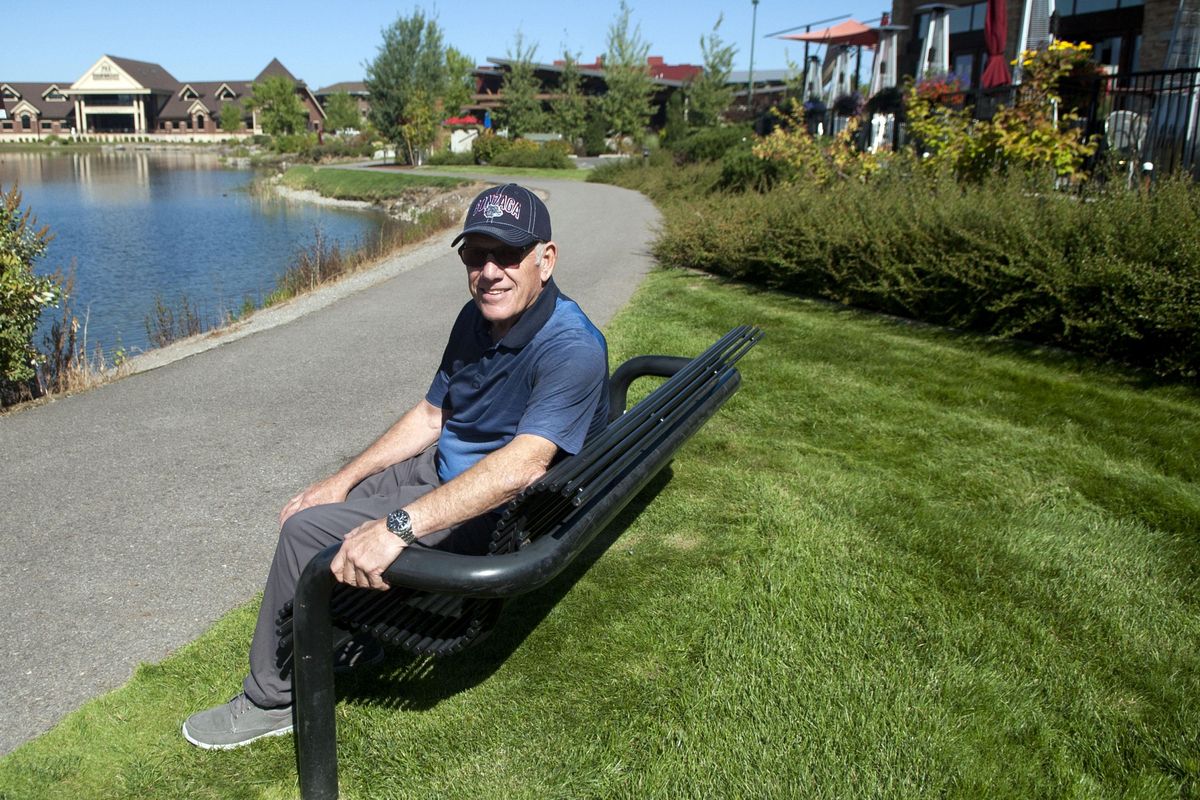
(497, 205)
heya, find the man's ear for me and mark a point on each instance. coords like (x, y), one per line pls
(549, 258)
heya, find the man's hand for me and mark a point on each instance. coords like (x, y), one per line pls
(320, 493)
(366, 552)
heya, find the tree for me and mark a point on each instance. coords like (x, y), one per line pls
(626, 104)
(23, 295)
(522, 110)
(409, 83)
(460, 77)
(280, 111)
(568, 111)
(710, 94)
(341, 112)
(231, 117)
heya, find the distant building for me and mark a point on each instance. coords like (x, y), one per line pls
(121, 97)
(356, 89)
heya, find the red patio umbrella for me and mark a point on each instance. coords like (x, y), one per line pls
(995, 38)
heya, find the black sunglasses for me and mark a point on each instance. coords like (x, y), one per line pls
(501, 256)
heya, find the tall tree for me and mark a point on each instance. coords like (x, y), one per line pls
(522, 110)
(710, 94)
(568, 111)
(408, 82)
(460, 76)
(626, 104)
(280, 111)
(341, 112)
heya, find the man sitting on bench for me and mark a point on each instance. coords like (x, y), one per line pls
(523, 379)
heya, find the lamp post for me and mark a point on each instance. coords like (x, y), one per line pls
(753, 28)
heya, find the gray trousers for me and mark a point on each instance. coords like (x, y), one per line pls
(310, 531)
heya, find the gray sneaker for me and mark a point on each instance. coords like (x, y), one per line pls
(239, 722)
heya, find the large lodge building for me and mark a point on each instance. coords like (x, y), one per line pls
(119, 98)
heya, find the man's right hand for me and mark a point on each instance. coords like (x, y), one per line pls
(320, 493)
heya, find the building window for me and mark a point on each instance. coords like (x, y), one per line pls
(56, 96)
(199, 122)
(46, 125)
(25, 122)
(967, 18)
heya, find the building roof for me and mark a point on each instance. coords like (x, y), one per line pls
(276, 69)
(152, 76)
(34, 95)
(208, 93)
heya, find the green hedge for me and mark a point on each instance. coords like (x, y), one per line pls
(1113, 274)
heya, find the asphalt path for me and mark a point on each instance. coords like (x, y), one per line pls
(134, 515)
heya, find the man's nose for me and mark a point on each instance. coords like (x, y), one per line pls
(491, 269)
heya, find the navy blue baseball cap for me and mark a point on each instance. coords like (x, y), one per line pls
(510, 213)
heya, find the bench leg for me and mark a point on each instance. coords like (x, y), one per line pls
(313, 691)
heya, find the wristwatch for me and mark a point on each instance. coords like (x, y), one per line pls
(400, 523)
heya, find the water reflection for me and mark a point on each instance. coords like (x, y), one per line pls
(147, 225)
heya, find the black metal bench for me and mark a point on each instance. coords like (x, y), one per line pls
(442, 602)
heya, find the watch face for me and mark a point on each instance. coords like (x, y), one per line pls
(398, 521)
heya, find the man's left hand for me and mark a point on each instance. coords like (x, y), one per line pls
(366, 552)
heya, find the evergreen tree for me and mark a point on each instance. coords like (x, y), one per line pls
(409, 82)
(522, 110)
(626, 104)
(569, 109)
(710, 94)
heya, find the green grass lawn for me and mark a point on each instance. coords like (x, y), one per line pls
(901, 562)
(361, 184)
(515, 172)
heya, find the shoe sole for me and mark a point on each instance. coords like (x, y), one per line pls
(233, 745)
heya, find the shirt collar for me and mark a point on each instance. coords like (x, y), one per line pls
(531, 321)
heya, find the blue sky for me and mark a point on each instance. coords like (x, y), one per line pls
(326, 42)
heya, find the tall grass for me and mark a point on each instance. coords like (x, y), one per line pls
(901, 562)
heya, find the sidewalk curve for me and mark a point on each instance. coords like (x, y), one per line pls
(138, 513)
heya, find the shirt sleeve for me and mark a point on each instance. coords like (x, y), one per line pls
(569, 383)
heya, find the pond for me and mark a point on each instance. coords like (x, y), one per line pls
(148, 226)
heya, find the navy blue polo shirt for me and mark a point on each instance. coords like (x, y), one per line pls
(548, 376)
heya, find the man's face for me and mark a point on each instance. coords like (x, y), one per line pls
(507, 280)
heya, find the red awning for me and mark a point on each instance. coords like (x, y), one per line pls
(849, 32)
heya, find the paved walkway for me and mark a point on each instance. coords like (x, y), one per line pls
(135, 515)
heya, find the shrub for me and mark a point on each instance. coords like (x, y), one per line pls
(1115, 274)
(445, 157)
(23, 295)
(487, 146)
(524, 153)
(711, 144)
